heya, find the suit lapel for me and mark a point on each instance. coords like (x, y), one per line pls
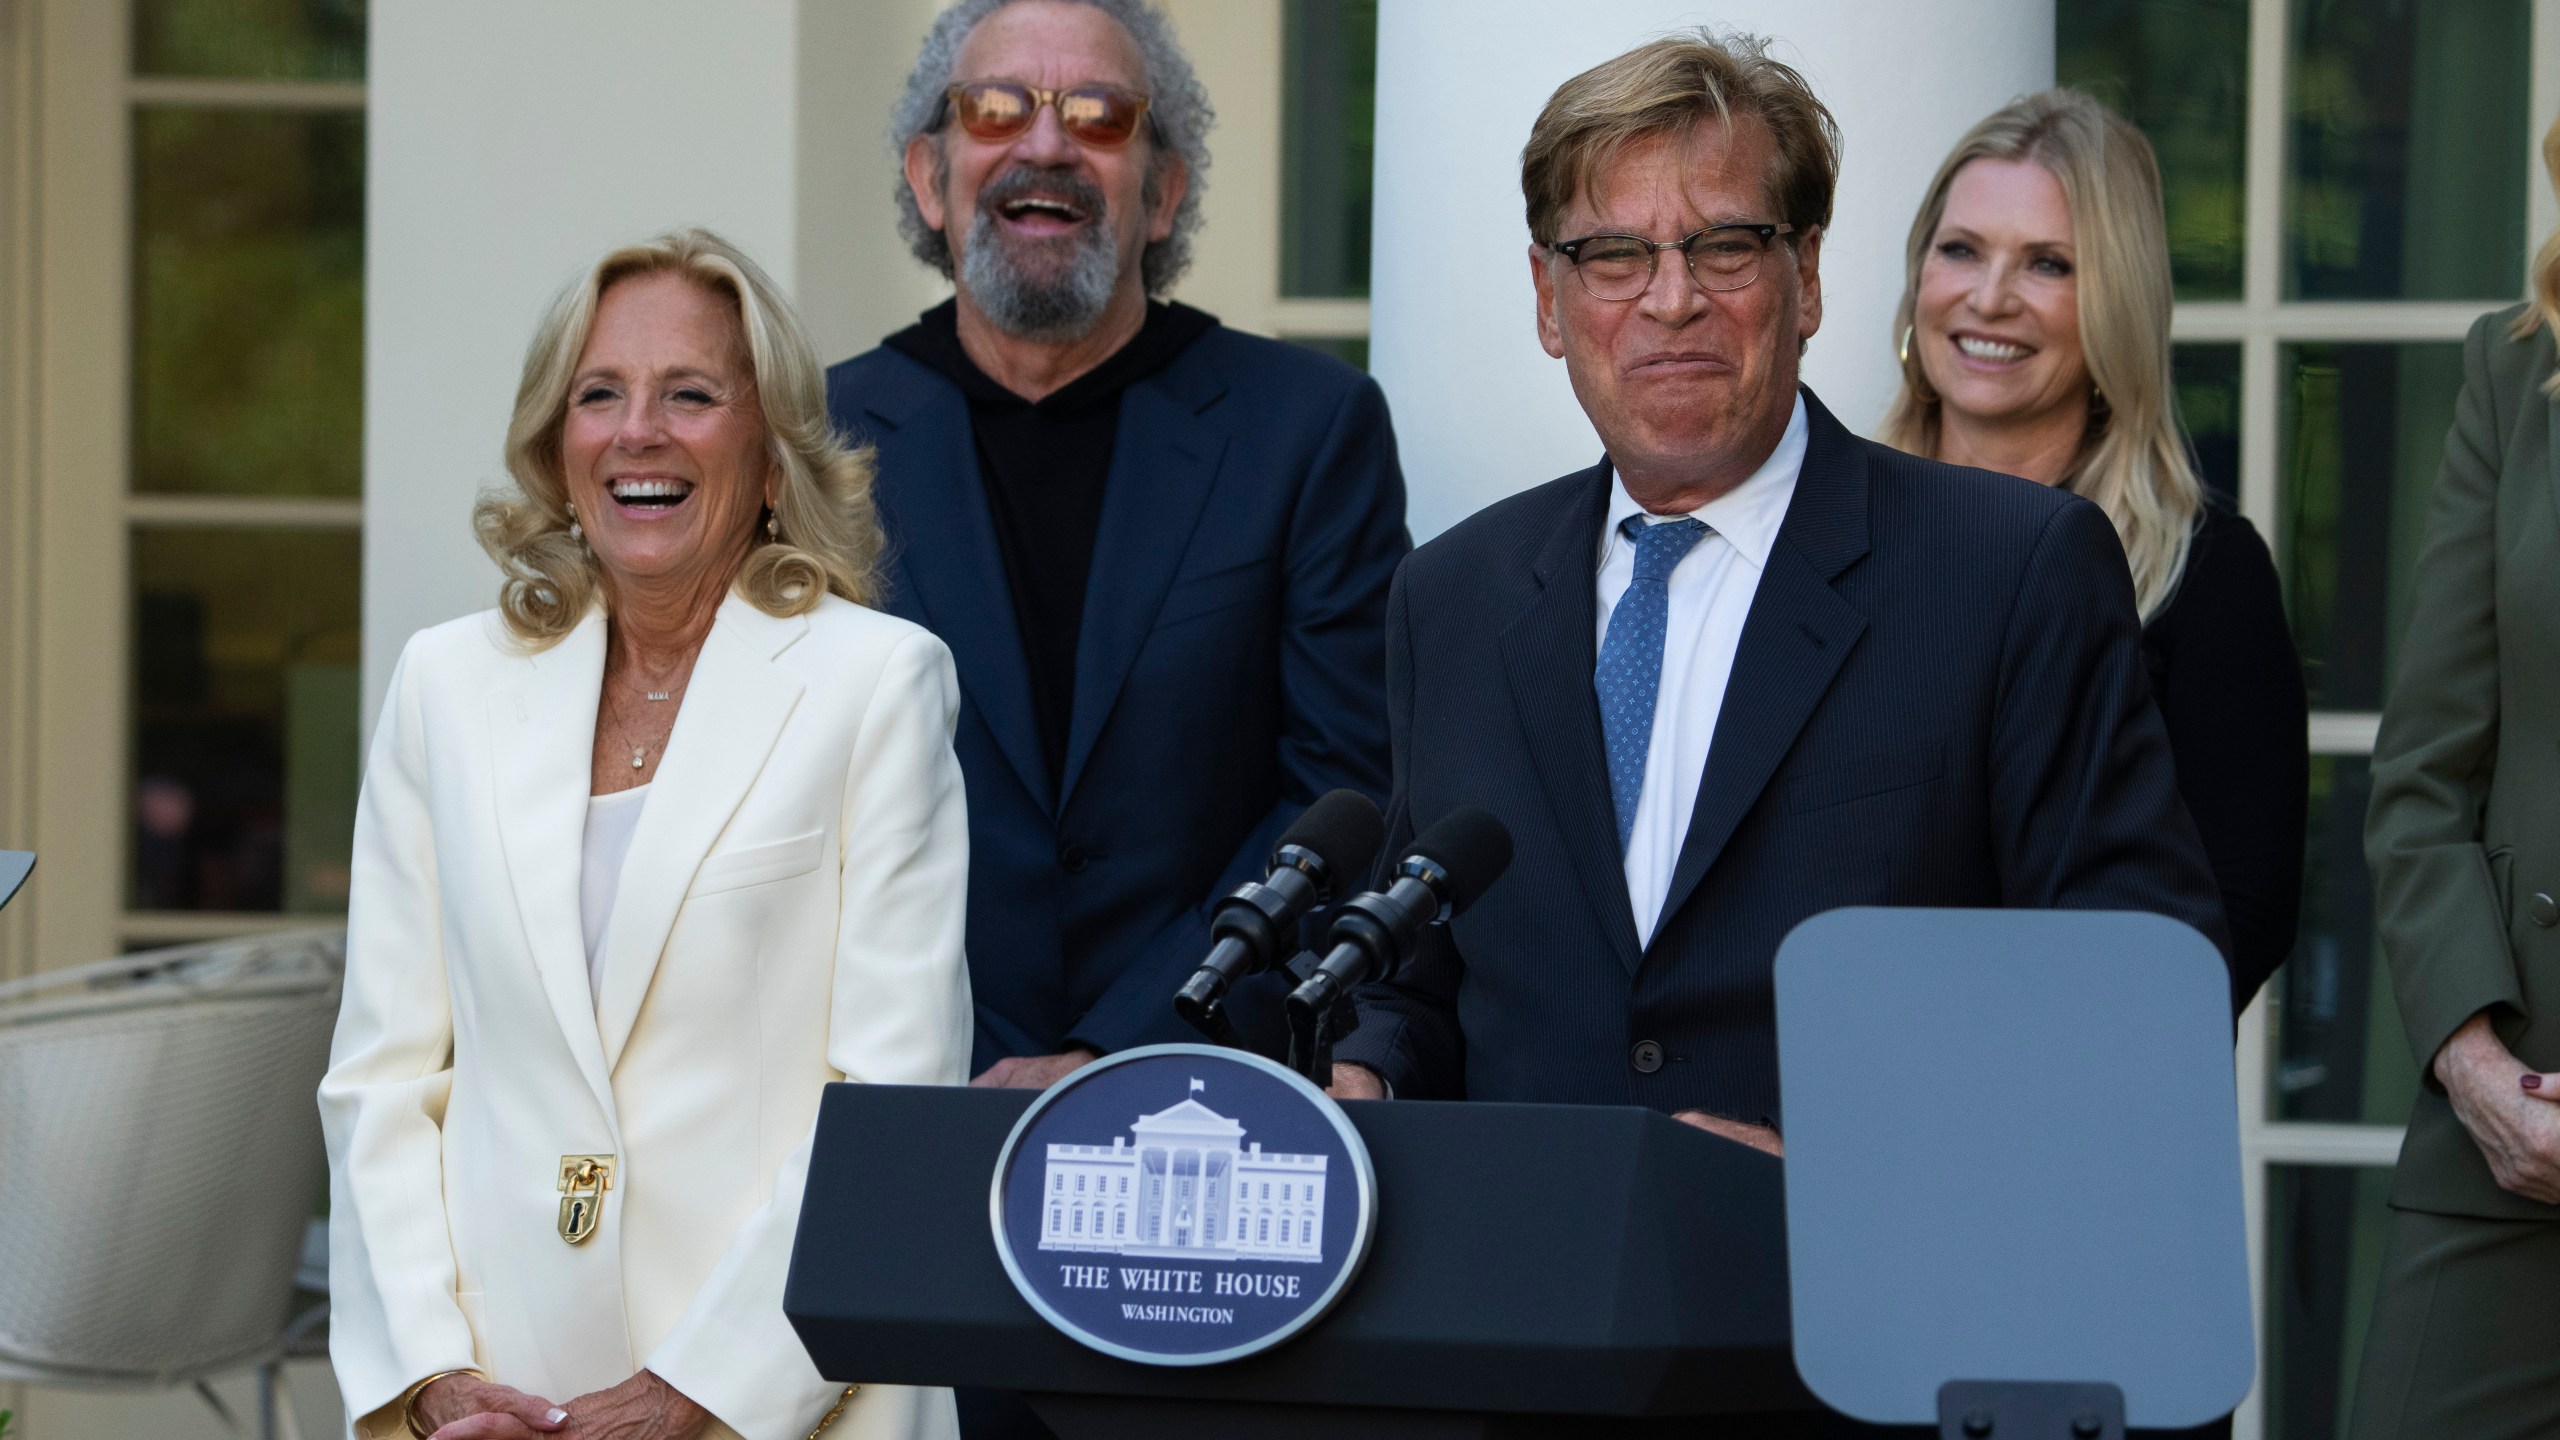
(734, 709)
(1163, 463)
(1793, 641)
(1548, 655)
(932, 499)
(542, 734)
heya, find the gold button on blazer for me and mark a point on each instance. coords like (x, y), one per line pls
(790, 915)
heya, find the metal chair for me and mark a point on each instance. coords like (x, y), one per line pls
(160, 1161)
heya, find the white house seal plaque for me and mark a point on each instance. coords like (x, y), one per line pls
(1183, 1204)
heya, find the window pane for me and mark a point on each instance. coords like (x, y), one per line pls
(250, 39)
(2325, 1231)
(2180, 70)
(2363, 435)
(244, 736)
(2406, 130)
(248, 302)
(2340, 1052)
(1351, 350)
(2208, 381)
(1329, 107)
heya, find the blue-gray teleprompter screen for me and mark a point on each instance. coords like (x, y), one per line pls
(2013, 1153)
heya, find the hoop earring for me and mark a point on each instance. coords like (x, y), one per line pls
(1913, 375)
(575, 533)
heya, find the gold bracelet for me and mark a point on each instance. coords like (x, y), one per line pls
(833, 1413)
(409, 1398)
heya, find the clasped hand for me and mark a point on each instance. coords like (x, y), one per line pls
(644, 1407)
(2508, 1109)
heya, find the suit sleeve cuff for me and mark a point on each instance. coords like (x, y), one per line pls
(1376, 1046)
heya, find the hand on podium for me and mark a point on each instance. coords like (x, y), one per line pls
(1758, 1137)
(2506, 1107)
(1356, 1082)
(1033, 1072)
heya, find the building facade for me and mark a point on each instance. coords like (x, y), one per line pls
(1184, 1184)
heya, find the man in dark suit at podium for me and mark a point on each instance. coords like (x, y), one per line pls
(1748, 668)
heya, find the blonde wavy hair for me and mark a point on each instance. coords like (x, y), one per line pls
(829, 540)
(2133, 460)
(2544, 312)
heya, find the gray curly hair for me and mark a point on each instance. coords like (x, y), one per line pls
(1178, 113)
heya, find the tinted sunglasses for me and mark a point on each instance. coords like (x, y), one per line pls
(1102, 116)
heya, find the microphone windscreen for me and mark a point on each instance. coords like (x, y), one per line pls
(1472, 846)
(1344, 829)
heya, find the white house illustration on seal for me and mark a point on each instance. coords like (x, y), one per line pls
(1183, 1184)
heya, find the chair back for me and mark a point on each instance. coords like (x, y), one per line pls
(160, 1153)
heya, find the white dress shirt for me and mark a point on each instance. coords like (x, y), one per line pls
(1710, 594)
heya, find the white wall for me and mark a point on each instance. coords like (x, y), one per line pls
(1480, 410)
(511, 144)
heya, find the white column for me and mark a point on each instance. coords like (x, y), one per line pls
(510, 145)
(1480, 410)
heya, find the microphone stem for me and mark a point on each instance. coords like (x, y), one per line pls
(1303, 1045)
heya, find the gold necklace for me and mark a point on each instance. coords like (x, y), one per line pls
(674, 690)
(622, 735)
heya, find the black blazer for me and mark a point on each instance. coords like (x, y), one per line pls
(1938, 699)
(1229, 670)
(2229, 685)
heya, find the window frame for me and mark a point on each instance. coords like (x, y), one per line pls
(139, 927)
(66, 482)
(2261, 322)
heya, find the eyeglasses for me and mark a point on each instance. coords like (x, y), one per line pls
(1102, 116)
(1620, 267)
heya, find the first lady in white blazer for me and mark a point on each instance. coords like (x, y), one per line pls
(645, 858)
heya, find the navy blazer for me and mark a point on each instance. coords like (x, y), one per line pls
(1229, 670)
(1938, 699)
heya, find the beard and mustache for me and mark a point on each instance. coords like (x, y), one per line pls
(1050, 288)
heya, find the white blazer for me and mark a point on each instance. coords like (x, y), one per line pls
(790, 915)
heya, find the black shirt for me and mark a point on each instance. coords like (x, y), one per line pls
(1044, 464)
(2229, 685)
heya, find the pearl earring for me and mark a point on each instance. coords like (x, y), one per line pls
(772, 527)
(575, 533)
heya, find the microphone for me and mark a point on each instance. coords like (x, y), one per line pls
(1257, 926)
(1440, 876)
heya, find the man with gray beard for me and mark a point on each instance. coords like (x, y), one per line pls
(1159, 549)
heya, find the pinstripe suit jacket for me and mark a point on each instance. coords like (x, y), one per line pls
(1938, 699)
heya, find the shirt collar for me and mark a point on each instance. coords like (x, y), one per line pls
(1168, 330)
(1748, 515)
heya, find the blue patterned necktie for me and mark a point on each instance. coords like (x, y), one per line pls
(1630, 671)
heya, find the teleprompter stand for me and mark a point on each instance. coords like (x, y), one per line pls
(2013, 1172)
(1539, 1271)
